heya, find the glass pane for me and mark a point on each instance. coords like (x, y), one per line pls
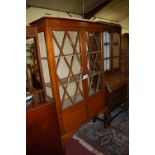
(94, 61)
(108, 64)
(62, 68)
(116, 44)
(95, 84)
(116, 50)
(34, 90)
(93, 40)
(45, 70)
(116, 37)
(115, 63)
(32, 68)
(106, 38)
(42, 44)
(49, 92)
(44, 62)
(59, 38)
(66, 40)
(69, 67)
(108, 51)
(71, 94)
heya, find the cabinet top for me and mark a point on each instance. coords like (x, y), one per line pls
(65, 23)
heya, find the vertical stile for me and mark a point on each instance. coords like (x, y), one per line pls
(84, 62)
(53, 75)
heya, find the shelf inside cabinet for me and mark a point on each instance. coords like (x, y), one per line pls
(64, 55)
(44, 58)
(34, 92)
(92, 52)
(66, 80)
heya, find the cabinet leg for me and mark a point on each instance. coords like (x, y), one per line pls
(94, 119)
(107, 118)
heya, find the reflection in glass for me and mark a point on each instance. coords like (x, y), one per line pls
(106, 38)
(94, 61)
(34, 90)
(32, 68)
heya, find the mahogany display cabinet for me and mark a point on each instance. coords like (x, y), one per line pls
(73, 62)
(116, 91)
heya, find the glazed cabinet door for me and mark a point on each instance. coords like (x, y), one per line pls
(62, 63)
(95, 70)
(94, 62)
(69, 67)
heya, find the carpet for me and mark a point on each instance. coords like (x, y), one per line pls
(113, 140)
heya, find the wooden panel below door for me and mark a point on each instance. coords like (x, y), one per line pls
(96, 103)
(74, 116)
(42, 131)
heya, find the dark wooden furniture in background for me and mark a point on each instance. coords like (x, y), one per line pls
(42, 131)
(125, 54)
(116, 91)
(112, 48)
(72, 59)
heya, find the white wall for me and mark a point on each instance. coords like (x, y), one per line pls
(124, 23)
(33, 14)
